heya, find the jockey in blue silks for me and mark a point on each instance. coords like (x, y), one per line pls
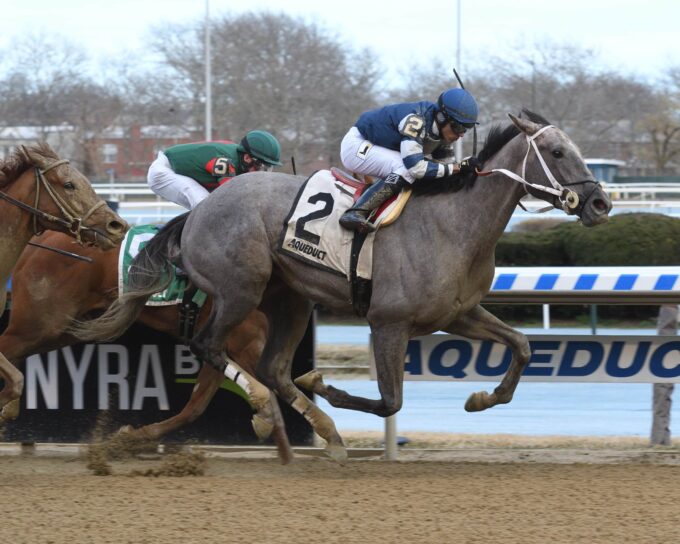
(397, 144)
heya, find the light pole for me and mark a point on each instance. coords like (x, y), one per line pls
(208, 75)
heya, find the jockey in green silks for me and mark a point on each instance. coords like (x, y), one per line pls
(187, 173)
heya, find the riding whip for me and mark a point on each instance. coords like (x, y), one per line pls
(474, 129)
(62, 252)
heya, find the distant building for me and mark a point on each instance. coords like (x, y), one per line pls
(604, 169)
(62, 138)
(125, 153)
(115, 154)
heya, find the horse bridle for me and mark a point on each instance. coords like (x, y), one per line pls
(569, 200)
(69, 220)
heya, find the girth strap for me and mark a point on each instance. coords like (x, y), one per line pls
(361, 288)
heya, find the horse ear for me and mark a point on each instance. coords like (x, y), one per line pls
(23, 151)
(34, 157)
(528, 127)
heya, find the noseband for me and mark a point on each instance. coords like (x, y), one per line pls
(568, 200)
(580, 203)
(69, 220)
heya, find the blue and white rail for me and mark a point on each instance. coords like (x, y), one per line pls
(586, 285)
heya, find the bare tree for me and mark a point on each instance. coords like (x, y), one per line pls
(662, 125)
(38, 68)
(599, 108)
(274, 72)
(46, 84)
(302, 82)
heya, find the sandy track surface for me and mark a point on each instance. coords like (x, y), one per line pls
(489, 495)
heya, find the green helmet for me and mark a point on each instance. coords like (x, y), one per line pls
(263, 146)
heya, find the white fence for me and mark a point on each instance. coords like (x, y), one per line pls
(139, 205)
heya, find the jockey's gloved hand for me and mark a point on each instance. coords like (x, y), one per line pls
(469, 165)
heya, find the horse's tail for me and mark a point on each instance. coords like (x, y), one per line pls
(150, 272)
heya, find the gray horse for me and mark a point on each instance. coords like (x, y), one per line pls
(432, 268)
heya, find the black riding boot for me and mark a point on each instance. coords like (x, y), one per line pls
(356, 218)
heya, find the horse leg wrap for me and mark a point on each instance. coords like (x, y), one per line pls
(10, 411)
(323, 425)
(262, 428)
(257, 392)
(312, 381)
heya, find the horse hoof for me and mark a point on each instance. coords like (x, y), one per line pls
(263, 428)
(310, 381)
(10, 411)
(337, 452)
(478, 402)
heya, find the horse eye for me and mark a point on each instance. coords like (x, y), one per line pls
(557, 153)
(69, 185)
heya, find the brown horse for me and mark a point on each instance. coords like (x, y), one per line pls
(40, 191)
(49, 291)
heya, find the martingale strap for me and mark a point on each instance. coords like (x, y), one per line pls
(188, 314)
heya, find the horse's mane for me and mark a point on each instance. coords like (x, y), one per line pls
(18, 162)
(496, 139)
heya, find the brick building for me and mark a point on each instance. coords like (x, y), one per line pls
(115, 154)
(124, 154)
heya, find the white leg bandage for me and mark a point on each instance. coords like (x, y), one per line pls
(257, 392)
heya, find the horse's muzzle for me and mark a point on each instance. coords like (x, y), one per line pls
(596, 207)
(105, 239)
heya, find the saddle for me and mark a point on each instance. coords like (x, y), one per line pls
(360, 186)
(362, 288)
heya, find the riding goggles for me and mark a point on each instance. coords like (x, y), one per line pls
(260, 165)
(459, 128)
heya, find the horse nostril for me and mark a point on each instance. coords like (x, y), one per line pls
(116, 227)
(600, 205)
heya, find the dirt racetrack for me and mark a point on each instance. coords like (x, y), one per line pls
(472, 496)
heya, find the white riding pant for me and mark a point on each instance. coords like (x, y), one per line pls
(361, 156)
(182, 190)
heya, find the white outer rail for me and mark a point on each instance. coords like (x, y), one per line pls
(138, 204)
(586, 285)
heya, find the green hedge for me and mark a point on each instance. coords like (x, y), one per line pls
(642, 239)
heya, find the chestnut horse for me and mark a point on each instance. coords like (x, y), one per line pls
(40, 191)
(49, 291)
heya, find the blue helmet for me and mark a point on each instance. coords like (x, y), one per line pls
(458, 105)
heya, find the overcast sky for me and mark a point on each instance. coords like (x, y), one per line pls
(630, 36)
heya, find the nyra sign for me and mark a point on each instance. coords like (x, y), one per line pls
(109, 372)
(144, 377)
(652, 359)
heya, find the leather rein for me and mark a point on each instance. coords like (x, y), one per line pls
(69, 220)
(568, 200)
